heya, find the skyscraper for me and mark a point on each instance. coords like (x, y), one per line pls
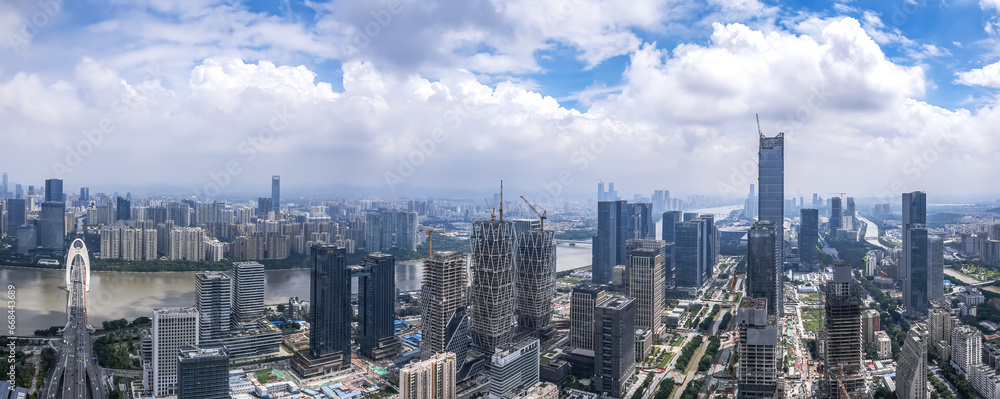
(646, 287)
(444, 313)
(612, 230)
(248, 292)
(84, 194)
(173, 329)
(771, 192)
(936, 269)
(276, 194)
(710, 251)
(581, 314)
(330, 313)
(492, 269)
(123, 209)
(668, 225)
(600, 192)
(640, 221)
(212, 292)
(535, 280)
(809, 239)
(836, 215)
(52, 225)
(377, 306)
(54, 190)
(614, 344)
(757, 349)
(911, 375)
(763, 280)
(689, 256)
(202, 373)
(915, 271)
(842, 331)
(433, 378)
(660, 200)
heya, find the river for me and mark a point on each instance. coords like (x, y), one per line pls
(41, 295)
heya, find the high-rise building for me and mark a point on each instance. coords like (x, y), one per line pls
(330, 313)
(248, 292)
(911, 375)
(646, 287)
(614, 344)
(514, 368)
(581, 314)
(668, 225)
(763, 280)
(186, 243)
(689, 259)
(936, 269)
(123, 209)
(444, 315)
(836, 215)
(535, 280)
(212, 291)
(17, 215)
(377, 306)
(661, 198)
(915, 255)
(966, 347)
(202, 373)
(433, 378)
(939, 328)
(173, 329)
(54, 190)
(750, 205)
(640, 221)
(264, 208)
(870, 322)
(612, 230)
(84, 194)
(385, 230)
(850, 215)
(276, 194)
(711, 239)
(843, 368)
(809, 239)
(757, 349)
(492, 269)
(52, 226)
(771, 192)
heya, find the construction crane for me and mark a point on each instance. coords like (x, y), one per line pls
(760, 132)
(493, 216)
(430, 238)
(541, 216)
(841, 194)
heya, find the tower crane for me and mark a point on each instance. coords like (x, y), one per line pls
(541, 216)
(430, 238)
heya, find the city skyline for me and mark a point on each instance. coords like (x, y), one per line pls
(915, 107)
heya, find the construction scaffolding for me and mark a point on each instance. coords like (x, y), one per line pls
(843, 370)
(535, 283)
(492, 269)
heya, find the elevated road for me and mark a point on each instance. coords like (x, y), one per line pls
(76, 374)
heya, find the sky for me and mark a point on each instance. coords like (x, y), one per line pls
(448, 97)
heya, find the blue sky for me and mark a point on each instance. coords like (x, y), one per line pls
(531, 90)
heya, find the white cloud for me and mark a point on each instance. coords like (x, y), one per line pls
(987, 76)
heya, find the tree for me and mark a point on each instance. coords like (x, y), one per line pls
(281, 307)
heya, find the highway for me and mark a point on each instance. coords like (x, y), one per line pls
(76, 374)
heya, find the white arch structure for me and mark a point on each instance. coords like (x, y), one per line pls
(78, 248)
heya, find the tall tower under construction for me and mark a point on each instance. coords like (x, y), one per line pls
(445, 313)
(842, 332)
(493, 319)
(535, 282)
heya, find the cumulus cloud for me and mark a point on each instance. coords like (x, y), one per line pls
(987, 76)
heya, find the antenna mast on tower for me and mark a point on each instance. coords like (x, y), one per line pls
(501, 200)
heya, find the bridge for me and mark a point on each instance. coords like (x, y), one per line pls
(575, 242)
(76, 374)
